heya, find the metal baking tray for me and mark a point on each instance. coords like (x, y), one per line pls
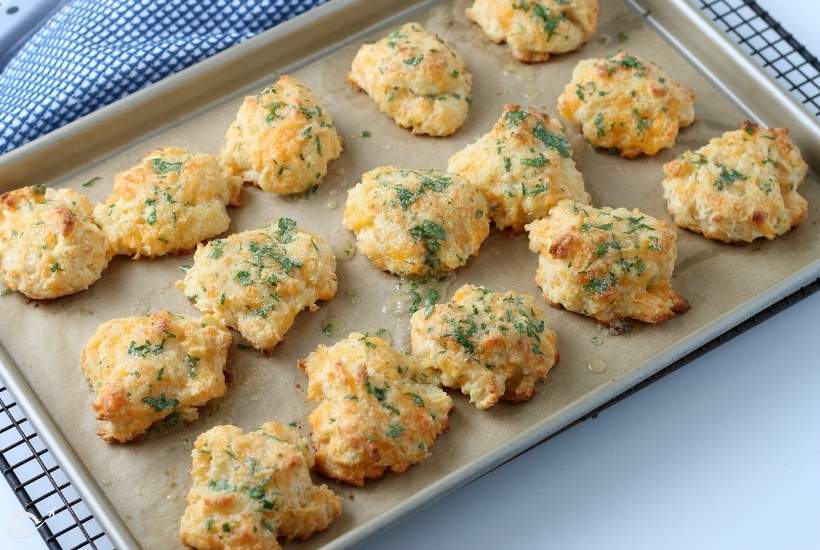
(64, 155)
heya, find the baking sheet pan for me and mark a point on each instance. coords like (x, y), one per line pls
(145, 483)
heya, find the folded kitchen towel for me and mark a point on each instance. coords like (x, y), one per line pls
(93, 52)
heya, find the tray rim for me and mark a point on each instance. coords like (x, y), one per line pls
(661, 15)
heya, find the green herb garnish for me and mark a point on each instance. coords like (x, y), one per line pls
(161, 403)
(431, 234)
(151, 217)
(216, 248)
(417, 400)
(599, 125)
(394, 431)
(515, 118)
(551, 140)
(286, 229)
(599, 285)
(727, 177)
(162, 167)
(375, 391)
(146, 348)
(244, 278)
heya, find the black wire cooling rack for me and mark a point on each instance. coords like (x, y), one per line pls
(783, 56)
(59, 513)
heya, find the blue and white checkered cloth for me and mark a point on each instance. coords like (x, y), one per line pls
(93, 52)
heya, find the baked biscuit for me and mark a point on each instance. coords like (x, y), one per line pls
(144, 369)
(535, 29)
(166, 204)
(607, 263)
(523, 166)
(628, 104)
(415, 78)
(252, 489)
(372, 416)
(491, 345)
(741, 186)
(416, 222)
(257, 281)
(282, 139)
(49, 243)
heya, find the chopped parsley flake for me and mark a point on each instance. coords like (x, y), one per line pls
(310, 113)
(552, 141)
(727, 177)
(536, 162)
(599, 285)
(151, 217)
(162, 167)
(285, 229)
(417, 400)
(551, 22)
(515, 118)
(599, 125)
(433, 182)
(394, 431)
(244, 278)
(216, 248)
(641, 123)
(273, 111)
(146, 348)
(631, 62)
(375, 391)
(636, 224)
(161, 403)
(431, 234)
(462, 332)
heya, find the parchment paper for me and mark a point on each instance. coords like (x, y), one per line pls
(147, 481)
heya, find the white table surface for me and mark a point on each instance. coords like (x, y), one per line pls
(723, 453)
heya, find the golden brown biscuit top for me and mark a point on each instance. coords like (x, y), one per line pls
(731, 163)
(251, 488)
(739, 187)
(523, 166)
(148, 368)
(282, 139)
(372, 415)
(434, 218)
(604, 247)
(474, 321)
(536, 28)
(260, 268)
(58, 209)
(417, 78)
(627, 103)
(360, 365)
(491, 345)
(50, 245)
(172, 199)
(172, 175)
(424, 62)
